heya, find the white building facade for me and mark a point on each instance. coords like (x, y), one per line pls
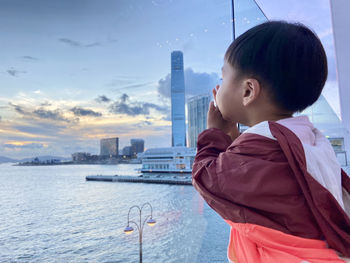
(168, 160)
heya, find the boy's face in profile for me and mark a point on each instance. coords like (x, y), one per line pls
(229, 94)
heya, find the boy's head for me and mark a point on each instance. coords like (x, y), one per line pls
(287, 61)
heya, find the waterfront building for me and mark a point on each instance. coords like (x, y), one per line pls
(168, 160)
(137, 146)
(178, 127)
(80, 156)
(197, 108)
(109, 147)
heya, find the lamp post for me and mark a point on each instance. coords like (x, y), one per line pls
(150, 221)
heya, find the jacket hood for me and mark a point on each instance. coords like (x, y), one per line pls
(320, 157)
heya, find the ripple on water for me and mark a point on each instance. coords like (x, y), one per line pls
(51, 214)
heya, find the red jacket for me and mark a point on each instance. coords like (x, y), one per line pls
(263, 181)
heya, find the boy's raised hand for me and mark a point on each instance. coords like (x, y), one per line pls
(215, 119)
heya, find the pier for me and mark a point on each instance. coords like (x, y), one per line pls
(154, 179)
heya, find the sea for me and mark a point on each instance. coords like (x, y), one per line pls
(52, 214)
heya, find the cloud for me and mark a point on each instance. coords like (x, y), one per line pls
(45, 104)
(18, 109)
(125, 106)
(14, 72)
(94, 44)
(85, 112)
(24, 146)
(188, 46)
(167, 117)
(112, 40)
(164, 86)
(102, 98)
(120, 80)
(41, 113)
(140, 85)
(124, 97)
(142, 124)
(74, 43)
(121, 107)
(48, 114)
(195, 83)
(39, 128)
(134, 86)
(148, 105)
(30, 58)
(70, 42)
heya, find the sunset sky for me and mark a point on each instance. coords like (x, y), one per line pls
(73, 72)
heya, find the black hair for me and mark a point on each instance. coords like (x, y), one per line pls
(287, 59)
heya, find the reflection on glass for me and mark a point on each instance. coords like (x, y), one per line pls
(76, 72)
(247, 14)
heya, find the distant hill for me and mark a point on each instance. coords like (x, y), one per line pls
(4, 159)
(45, 158)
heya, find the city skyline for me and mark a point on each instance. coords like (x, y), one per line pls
(75, 72)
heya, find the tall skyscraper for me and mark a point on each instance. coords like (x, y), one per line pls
(178, 136)
(109, 147)
(197, 108)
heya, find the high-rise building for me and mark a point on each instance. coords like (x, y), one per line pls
(137, 146)
(197, 108)
(109, 147)
(178, 135)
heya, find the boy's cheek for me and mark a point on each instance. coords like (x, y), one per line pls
(218, 100)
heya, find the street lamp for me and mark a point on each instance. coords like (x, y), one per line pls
(150, 221)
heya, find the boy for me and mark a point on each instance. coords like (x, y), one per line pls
(278, 185)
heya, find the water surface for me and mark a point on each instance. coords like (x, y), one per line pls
(51, 214)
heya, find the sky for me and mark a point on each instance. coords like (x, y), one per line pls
(74, 72)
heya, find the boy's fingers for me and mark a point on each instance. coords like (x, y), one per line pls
(214, 94)
(211, 106)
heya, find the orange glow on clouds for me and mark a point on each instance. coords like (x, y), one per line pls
(22, 143)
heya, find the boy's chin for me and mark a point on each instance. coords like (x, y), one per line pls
(229, 119)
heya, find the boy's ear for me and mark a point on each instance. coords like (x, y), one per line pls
(251, 91)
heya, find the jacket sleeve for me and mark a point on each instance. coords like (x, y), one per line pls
(210, 173)
(211, 143)
(237, 179)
